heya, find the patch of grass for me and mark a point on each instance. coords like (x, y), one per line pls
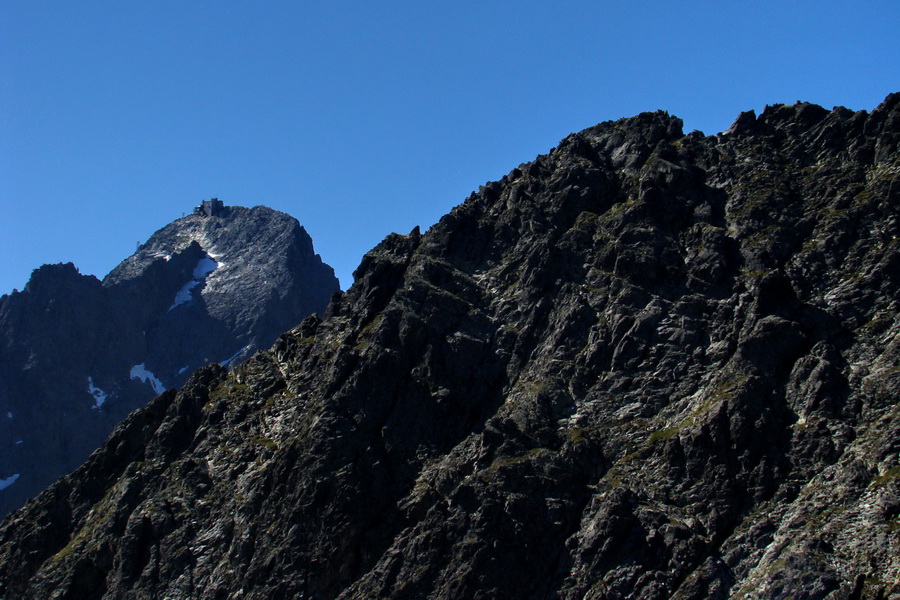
(228, 389)
(662, 435)
(863, 197)
(724, 391)
(264, 441)
(578, 435)
(776, 566)
(613, 478)
(372, 324)
(810, 245)
(889, 475)
(505, 461)
(531, 386)
(751, 274)
(585, 221)
(489, 474)
(98, 517)
(845, 277)
(618, 208)
(878, 322)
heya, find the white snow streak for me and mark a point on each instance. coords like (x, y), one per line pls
(184, 294)
(5, 483)
(140, 372)
(99, 395)
(227, 361)
(204, 267)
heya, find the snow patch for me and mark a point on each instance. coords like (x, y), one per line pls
(5, 483)
(204, 267)
(99, 395)
(227, 362)
(184, 294)
(140, 372)
(207, 244)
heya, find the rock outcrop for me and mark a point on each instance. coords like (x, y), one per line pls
(645, 365)
(78, 355)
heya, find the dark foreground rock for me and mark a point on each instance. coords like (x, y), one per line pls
(78, 355)
(646, 365)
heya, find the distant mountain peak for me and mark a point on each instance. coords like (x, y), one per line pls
(77, 355)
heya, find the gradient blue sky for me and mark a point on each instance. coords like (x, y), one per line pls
(363, 118)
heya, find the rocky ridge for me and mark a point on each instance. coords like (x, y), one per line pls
(77, 355)
(645, 365)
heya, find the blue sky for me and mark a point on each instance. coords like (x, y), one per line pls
(363, 118)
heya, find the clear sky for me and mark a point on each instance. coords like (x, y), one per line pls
(363, 118)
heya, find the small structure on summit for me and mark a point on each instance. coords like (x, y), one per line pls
(210, 208)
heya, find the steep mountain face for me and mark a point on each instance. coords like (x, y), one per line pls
(78, 355)
(646, 365)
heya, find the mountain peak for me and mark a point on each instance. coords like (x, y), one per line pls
(214, 286)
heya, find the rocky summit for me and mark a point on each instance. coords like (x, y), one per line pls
(77, 355)
(646, 365)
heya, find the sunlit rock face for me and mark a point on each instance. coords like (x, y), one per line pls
(77, 354)
(645, 365)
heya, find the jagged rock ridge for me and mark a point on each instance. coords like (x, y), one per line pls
(77, 355)
(646, 365)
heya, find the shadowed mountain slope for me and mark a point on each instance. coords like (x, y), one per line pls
(645, 365)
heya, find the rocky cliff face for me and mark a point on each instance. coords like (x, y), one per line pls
(646, 365)
(78, 355)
